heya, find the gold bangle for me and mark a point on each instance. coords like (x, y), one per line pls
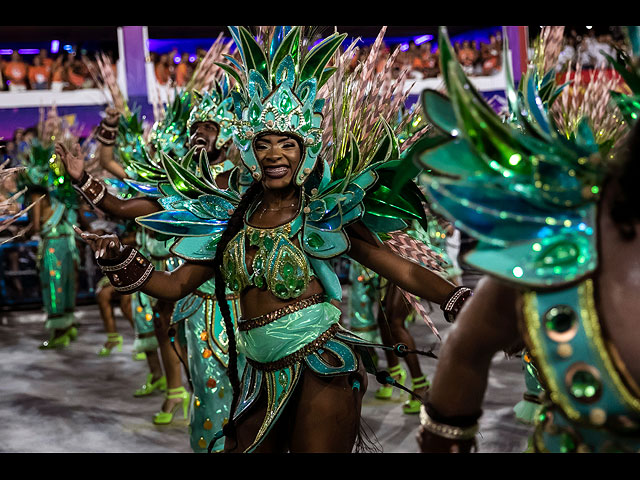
(446, 431)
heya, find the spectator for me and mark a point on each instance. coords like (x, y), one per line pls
(466, 57)
(182, 71)
(58, 75)
(46, 61)
(74, 70)
(162, 70)
(38, 75)
(9, 152)
(16, 73)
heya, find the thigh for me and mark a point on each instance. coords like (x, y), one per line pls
(327, 413)
(249, 424)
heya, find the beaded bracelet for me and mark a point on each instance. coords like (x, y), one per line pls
(446, 431)
(453, 304)
(106, 134)
(129, 272)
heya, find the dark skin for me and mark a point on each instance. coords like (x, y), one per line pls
(202, 135)
(324, 406)
(491, 321)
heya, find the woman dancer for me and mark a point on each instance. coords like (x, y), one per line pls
(304, 372)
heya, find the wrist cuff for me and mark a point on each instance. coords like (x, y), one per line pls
(453, 304)
(106, 134)
(91, 189)
(129, 272)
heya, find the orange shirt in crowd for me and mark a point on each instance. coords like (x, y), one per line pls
(417, 63)
(38, 74)
(75, 79)
(16, 72)
(57, 74)
(162, 74)
(181, 74)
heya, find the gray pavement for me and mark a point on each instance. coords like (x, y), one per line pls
(73, 401)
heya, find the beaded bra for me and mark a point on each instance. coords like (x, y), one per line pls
(278, 265)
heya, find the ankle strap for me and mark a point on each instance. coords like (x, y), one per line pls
(114, 335)
(420, 381)
(176, 392)
(396, 369)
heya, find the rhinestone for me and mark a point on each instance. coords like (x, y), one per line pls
(598, 416)
(564, 350)
(583, 383)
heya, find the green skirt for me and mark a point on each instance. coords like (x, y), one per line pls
(279, 352)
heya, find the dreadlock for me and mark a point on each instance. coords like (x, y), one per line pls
(235, 224)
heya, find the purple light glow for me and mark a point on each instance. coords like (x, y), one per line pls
(6, 51)
(176, 59)
(404, 47)
(28, 51)
(55, 46)
(422, 39)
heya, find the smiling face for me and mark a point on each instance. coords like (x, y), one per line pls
(279, 156)
(204, 136)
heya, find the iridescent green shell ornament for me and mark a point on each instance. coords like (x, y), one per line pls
(525, 192)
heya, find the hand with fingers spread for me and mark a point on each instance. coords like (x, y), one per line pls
(106, 247)
(112, 116)
(72, 159)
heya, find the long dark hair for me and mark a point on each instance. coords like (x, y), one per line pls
(625, 208)
(235, 224)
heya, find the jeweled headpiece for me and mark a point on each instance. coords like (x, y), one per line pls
(170, 135)
(277, 87)
(217, 107)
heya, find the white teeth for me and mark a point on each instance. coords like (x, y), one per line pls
(276, 171)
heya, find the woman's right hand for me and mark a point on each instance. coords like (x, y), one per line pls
(73, 161)
(107, 247)
(112, 116)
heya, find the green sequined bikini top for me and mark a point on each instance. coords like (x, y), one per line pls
(278, 265)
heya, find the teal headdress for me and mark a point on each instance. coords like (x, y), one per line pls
(277, 85)
(171, 135)
(216, 106)
(44, 169)
(526, 192)
(628, 67)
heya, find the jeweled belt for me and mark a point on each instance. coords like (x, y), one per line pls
(267, 318)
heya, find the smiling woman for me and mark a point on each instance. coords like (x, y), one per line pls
(270, 244)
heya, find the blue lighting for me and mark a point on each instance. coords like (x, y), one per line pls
(404, 47)
(6, 51)
(55, 46)
(422, 39)
(28, 51)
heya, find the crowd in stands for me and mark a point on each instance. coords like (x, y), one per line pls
(477, 58)
(68, 71)
(589, 49)
(64, 71)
